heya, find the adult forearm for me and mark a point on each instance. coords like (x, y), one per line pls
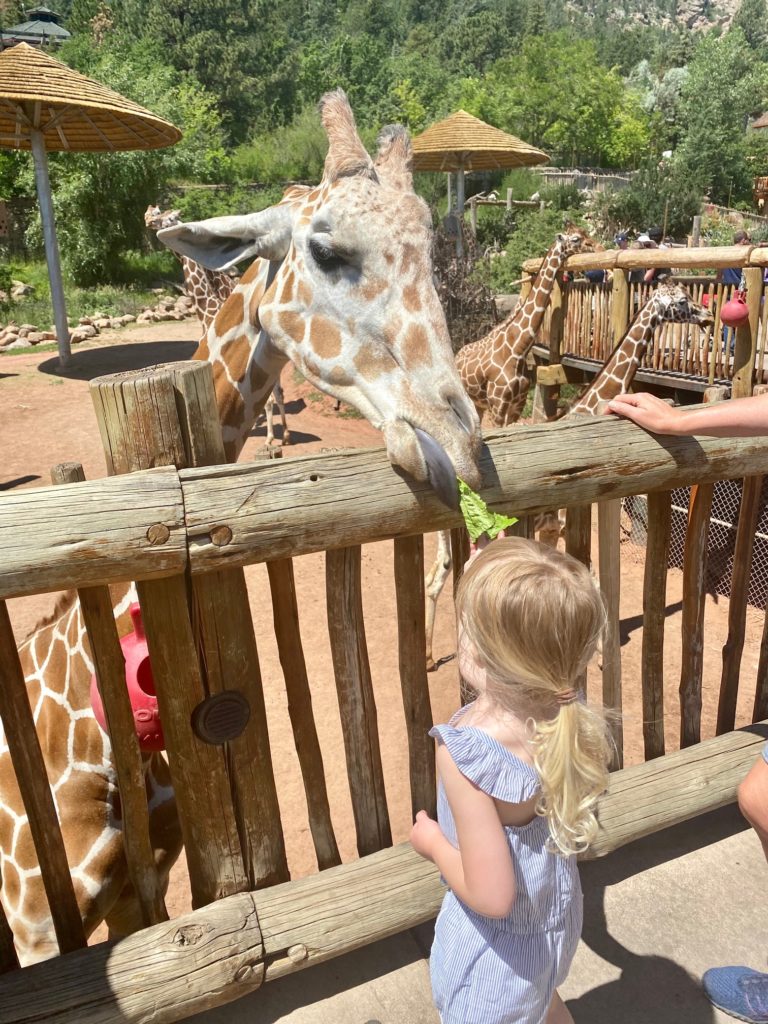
(739, 417)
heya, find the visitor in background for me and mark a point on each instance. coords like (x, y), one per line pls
(731, 277)
(739, 991)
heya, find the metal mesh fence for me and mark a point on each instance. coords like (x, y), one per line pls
(723, 523)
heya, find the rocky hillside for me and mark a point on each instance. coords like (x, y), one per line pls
(693, 14)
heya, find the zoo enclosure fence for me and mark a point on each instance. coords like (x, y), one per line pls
(184, 530)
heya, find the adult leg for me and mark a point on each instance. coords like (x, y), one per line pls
(753, 798)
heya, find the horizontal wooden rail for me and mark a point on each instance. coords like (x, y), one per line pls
(702, 258)
(355, 497)
(237, 515)
(214, 955)
(99, 531)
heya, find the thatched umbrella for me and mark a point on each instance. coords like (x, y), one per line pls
(465, 143)
(45, 105)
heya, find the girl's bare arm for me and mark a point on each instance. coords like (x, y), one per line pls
(480, 872)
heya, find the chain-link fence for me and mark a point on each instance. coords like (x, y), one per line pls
(723, 523)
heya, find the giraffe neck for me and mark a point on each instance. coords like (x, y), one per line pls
(246, 365)
(520, 330)
(618, 372)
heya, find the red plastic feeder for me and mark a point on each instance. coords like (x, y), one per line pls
(735, 312)
(141, 688)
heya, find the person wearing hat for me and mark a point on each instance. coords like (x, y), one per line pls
(621, 240)
(643, 241)
(654, 236)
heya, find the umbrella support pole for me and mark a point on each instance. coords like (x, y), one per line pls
(51, 245)
(460, 210)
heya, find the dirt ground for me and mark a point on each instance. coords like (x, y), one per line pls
(46, 417)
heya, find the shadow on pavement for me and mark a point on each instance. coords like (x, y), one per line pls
(93, 362)
(650, 988)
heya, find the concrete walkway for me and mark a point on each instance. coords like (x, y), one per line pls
(657, 914)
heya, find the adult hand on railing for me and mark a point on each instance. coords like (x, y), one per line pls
(647, 411)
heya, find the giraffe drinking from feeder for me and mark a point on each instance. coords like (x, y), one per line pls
(209, 289)
(341, 285)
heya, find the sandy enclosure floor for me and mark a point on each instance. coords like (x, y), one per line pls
(46, 417)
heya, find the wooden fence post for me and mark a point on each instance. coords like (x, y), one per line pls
(746, 336)
(231, 824)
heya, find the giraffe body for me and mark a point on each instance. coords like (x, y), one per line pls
(343, 286)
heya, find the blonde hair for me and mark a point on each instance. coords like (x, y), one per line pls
(534, 616)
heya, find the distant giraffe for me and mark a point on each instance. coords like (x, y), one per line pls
(209, 290)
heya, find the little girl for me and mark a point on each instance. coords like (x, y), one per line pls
(520, 771)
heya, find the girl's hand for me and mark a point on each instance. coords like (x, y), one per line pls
(476, 546)
(425, 834)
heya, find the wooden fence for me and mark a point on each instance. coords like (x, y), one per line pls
(585, 320)
(184, 530)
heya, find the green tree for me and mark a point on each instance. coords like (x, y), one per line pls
(99, 199)
(752, 18)
(723, 87)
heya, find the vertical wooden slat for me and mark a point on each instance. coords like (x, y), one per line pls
(109, 663)
(459, 553)
(733, 648)
(202, 791)
(9, 960)
(654, 615)
(359, 723)
(557, 320)
(27, 758)
(609, 566)
(140, 426)
(578, 533)
(285, 611)
(409, 594)
(694, 580)
(619, 305)
(760, 709)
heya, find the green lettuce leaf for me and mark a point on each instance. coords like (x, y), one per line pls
(478, 517)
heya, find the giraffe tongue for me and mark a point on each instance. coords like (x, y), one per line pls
(442, 475)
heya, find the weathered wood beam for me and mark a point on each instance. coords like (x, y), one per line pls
(93, 532)
(355, 497)
(214, 955)
(634, 259)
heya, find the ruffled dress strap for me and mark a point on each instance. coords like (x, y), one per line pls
(488, 764)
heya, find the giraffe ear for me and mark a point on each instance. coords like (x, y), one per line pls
(221, 242)
(394, 160)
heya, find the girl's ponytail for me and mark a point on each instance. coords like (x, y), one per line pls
(571, 753)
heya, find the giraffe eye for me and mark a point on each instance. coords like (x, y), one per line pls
(325, 257)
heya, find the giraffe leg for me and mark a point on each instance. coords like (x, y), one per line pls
(279, 399)
(434, 583)
(269, 440)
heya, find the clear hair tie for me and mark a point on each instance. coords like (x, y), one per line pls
(569, 696)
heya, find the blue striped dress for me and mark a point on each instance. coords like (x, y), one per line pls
(504, 970)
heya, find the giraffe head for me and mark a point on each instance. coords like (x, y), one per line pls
(673, 303)
(351, 299)
(573, 239)
(155, 218)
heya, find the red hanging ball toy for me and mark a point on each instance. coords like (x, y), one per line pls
(141, 688)
(735, 312)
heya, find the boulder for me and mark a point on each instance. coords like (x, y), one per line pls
(19, 290)
(103, 322)
(20, 343)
